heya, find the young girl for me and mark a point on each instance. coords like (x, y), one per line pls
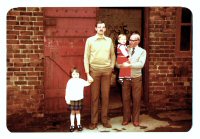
(74, 96)
(122, 56)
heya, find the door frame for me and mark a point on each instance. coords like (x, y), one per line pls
(145, 31)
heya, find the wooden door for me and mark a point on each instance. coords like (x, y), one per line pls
(66, 30)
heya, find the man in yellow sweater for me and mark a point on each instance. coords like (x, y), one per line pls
(99, 61)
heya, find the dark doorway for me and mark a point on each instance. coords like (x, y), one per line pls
(124, 20)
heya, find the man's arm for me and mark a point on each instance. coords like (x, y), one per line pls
(113, 57)
(138, 64)
(141, 62)
(87, 56)
(86, 60)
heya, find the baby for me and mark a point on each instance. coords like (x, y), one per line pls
(122, 56)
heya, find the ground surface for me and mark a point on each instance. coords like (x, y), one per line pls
(168, 121)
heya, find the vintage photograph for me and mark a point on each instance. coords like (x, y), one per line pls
(99, 69)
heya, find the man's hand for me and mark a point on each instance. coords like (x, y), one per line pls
(125, 65)
(89, 78)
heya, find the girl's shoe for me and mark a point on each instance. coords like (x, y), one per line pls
(71, 128)
(80, 128)
(121, 81)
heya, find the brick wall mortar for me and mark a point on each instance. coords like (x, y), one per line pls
(24, 61)
(166, 90)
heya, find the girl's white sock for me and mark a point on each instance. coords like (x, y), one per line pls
(78, 118)
(72, 116)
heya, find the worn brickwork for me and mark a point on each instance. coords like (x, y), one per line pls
(25, 68)
(170, 76)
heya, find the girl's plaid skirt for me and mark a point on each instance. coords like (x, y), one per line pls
(76, 105)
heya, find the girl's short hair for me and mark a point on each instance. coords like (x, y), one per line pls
(74, 69)
(121, 35)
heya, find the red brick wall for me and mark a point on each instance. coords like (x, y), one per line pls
(167, 89)
(25, 67)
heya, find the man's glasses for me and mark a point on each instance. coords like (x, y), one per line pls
(132, 40)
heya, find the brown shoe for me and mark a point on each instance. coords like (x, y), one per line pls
(136, 124)
(92, 126)
(107, 125)
(125, 122)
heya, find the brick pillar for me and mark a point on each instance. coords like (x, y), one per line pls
(25, 67)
